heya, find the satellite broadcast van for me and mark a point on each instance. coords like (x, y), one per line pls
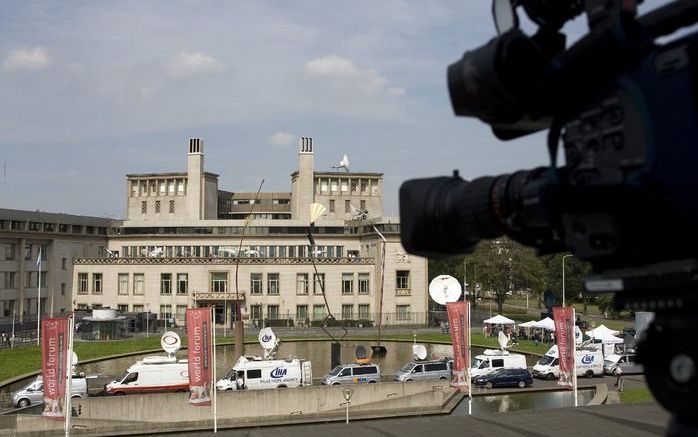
(493, 359)
(255, 373)
(155, 374)
(589, 363)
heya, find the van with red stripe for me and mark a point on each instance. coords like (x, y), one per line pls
(152, 375)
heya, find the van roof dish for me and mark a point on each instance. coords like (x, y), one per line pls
(495, 352)
(159, 360)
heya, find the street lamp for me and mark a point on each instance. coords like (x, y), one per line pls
(563, 279)
(347, 397)
(147, 320)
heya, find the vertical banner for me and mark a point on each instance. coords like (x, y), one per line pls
(54, 361)
(564, 335)
(459, 323)
(200, 355)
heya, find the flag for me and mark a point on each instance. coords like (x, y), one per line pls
(459, 325)
(200, 355)
(38, 259)
(54, 362)
(564, 336)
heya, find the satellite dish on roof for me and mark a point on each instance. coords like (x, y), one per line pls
(170, 342)
(73, 361)
(419, 352)
(360, 353)
(444, 289)
(502, 339)
(344, 163)
(267, 338)
(316, 211)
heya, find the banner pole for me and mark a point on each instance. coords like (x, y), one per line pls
(574, 359)
(213, 382)
(38, 302)
(468, 364)
(69, 376)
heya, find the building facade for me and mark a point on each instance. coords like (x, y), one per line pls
(185, 243)
(60, 238)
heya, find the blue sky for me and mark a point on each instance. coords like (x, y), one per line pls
(94, 90)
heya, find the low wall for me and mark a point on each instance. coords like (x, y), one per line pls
(427, 395)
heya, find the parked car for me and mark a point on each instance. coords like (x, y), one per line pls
(352, 374)
(423, 370)
(505, 378)
(33, 393)
(627, 363)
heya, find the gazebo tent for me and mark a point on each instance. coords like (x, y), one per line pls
(604, 335)
(499, 320)
(531, 324)
(602, 331)
(546, 323)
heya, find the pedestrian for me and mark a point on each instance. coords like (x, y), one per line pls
(619, 379)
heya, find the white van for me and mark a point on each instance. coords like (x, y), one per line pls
(589, 362)
(254, 373)
(33, 393)
(493, 359)
(152, 375)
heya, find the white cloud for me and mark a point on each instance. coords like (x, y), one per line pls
(282, 139)
(29, 59)
(343, 69)
(330, 65)
(187, 64)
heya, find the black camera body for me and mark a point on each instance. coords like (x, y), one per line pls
(626, 199)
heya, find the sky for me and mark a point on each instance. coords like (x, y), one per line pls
(94, 90)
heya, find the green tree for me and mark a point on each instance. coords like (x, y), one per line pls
(575, 272)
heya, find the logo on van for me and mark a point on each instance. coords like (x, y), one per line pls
(587, 359)
(266, 338)
(279, 372)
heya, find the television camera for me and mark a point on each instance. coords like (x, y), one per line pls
(623, 99)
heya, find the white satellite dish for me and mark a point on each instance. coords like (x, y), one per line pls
(419, 352)
(344, 163)
(316, 211)
(444, 289)
(73, 361)
(267, 338)
(170, 342)
(503, 340)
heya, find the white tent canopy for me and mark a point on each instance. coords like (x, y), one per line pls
(604, 335)
(499, 320)
(531, 324)
(546, 323)
(602, 330)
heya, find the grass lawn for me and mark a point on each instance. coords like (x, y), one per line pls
(635, 396)
(23, 360)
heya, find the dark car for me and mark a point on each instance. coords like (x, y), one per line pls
(505, 378)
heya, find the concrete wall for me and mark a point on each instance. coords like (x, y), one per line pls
(260, 404)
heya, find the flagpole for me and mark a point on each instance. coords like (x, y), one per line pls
(574, 360)
(38, 302)
(69, 375)
(213, 382)
(470, 385)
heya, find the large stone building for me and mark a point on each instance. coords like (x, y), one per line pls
(186, 243)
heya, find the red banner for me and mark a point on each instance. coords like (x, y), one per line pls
(200, 355)
(54, 362)
(459, 324)
(564, 335)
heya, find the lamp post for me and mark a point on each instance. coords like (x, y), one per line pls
(563, 279)
(147, 320)
(347, 397)
(12, 339)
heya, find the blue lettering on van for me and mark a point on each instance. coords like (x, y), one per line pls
(279, 372)
(587, 359)
(266, 338)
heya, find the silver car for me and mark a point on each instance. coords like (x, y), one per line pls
(33, 393)
(352, 374)
(423, 370)
(625, 363)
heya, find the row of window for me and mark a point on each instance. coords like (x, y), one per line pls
(218, 283)
(21, 225)
(157, 206)
(347, 206)
(8, 280)
(347, 185)
(166, 187)
(8, 251)
(299, 251)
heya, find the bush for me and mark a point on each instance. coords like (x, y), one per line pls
(331, 323)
